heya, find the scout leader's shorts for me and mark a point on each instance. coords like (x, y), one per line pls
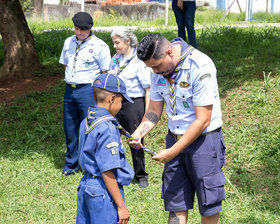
(195, 170)
(95, 205)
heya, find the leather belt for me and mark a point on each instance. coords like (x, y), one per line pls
(211, 132)
(177, 137)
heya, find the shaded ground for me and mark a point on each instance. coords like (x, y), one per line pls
(12, 88)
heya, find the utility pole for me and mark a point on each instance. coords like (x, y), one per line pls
(272, 6)
(248, 13)
(82, 5)
(166, 12)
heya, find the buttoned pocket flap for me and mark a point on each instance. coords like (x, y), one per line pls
(215, 180)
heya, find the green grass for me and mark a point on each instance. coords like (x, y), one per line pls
(267, 17)
(32, 142)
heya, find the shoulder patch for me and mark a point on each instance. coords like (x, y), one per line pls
(112, 144)
(207, 75)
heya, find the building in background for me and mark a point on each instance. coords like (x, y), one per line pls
(271, 6)
(100, 2)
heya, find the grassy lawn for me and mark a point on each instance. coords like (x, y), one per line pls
(32, 142)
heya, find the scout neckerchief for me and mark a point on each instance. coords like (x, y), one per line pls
(185, 51)
(91, 125)
(126, 63)
(78, 45)
(109, 117)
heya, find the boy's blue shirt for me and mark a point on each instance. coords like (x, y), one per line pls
(101, 148)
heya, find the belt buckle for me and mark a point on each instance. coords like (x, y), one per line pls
(73, 85)
(177, 137)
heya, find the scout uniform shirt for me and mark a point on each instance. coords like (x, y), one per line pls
(100, 147)
(136, 75)
(195, 85)
(92, 57)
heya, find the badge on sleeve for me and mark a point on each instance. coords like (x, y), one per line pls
(207, 75)
(114, 147)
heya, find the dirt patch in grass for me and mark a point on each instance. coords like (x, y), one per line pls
(12, 88)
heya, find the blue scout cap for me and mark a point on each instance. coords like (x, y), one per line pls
(83, 20)
(113, 84)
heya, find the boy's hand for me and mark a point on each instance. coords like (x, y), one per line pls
(123, 215)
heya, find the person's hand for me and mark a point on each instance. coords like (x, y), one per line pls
(123, 215)
(135, 143)
(163, 156)
(180, 5)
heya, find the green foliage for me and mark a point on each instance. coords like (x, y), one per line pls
(269, 17)
(32, 142)
(26, 5)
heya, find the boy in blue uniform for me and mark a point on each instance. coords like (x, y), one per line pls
(102, 157)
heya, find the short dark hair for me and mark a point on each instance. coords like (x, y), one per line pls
(152, 46)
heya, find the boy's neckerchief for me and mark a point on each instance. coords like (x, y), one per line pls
(91, 125)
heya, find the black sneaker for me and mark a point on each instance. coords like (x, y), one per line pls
(143, 183)
(68, 172)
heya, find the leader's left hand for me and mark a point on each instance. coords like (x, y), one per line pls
(163, 156)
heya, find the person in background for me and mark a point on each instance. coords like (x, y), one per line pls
(84, 57)
(102, 157)
(184, 11)
(184, 79)
(136, 76)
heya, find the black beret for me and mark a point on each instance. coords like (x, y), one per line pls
(83, 20)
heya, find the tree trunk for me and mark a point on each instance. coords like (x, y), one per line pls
(21, 58)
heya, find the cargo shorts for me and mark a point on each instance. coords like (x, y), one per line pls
(196, 170)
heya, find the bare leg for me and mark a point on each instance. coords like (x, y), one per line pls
(178, 217)
(214, 219)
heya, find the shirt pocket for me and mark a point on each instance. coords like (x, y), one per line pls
(185, 97)
(69, 55)
(95, 195)
(164, 92)
(87, 62)
(213, 189)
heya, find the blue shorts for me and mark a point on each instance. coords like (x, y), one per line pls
(95, 205)
(197, 169)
